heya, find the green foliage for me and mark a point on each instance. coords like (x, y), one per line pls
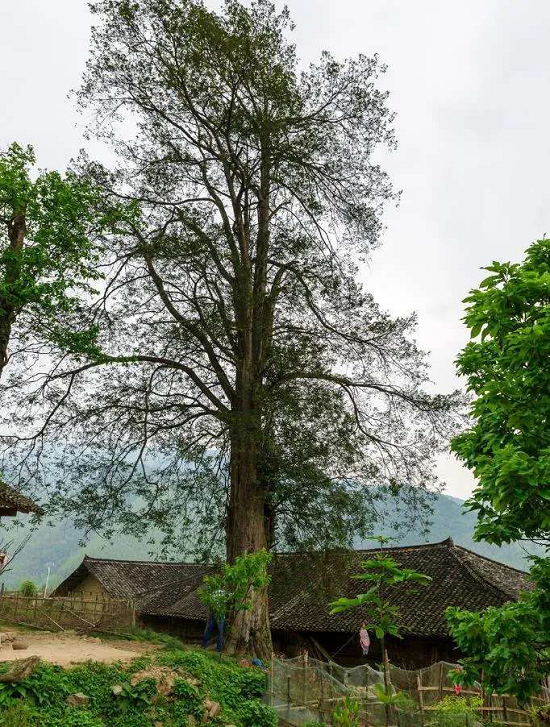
(347, 713)
(508, 449)
(508, 370)
(458, 705)
(49, 230)
(388, 696)
(507, 646)
(139, 633)
(28, 588)
(540, 714)
(41, 699)
(456, 711)
(133, 697)
(189, 695)
(230, 590)
(238, 689)
(383, 573)
(17, 716)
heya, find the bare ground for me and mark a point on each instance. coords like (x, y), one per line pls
(68, 648)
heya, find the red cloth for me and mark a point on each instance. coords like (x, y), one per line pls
(364, 640)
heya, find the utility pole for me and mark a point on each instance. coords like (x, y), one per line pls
(47, 581)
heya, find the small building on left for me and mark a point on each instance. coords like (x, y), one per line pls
(12, 502)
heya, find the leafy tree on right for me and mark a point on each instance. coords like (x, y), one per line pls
(508, 450)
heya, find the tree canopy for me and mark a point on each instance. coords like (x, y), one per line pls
(508, 648)
(242, 388)
(508, 370)
(48, 234)
(508, 449)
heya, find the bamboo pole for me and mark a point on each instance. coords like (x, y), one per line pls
(322, 701)
(288, 693)
(304, 676)
(386, 684)
(272, 682)
(420, 696)
(366, 694)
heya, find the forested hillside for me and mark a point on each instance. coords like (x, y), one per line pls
(58, 546)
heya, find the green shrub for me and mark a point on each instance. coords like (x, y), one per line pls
(456, 711)
(41, 699)
(28, 589)
(540, 714)
(189, 697)
(346, 714)
(139, 633)
(254, 713)
(17, 716)
(236, 688)
(73, 718)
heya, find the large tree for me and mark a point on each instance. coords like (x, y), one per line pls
(235, 380)
(507, 365)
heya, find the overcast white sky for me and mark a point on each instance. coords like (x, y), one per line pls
(469, 81)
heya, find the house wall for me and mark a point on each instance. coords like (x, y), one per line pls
(90, 587)
(190, 630)
(343, 648)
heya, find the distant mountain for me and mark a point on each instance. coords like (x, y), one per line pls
(58, 546)
(451, 520)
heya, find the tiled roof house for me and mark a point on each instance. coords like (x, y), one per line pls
(303, 585)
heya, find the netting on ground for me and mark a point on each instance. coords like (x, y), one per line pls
(308, 690)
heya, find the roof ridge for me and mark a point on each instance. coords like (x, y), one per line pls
(141, 562)
(490, 560)
(447, 541)
(475, 575)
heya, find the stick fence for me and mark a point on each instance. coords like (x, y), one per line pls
(64, 613)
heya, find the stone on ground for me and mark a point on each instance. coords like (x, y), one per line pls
(78, 700)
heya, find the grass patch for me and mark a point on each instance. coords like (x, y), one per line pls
(138, 633)
(6, 626)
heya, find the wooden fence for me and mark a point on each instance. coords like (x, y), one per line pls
(63, 613)
(302, 689)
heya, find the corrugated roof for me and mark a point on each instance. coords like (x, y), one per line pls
(302, 586)
(10, 499)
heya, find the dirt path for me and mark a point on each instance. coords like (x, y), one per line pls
(68, 648)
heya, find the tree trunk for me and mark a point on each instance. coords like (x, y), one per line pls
(246, 533)
(16, 234)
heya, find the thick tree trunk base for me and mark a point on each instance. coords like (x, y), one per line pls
(249, 634)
